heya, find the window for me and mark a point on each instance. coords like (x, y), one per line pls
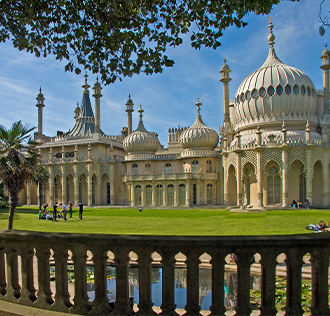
(194, 193)
(270, 91)
(93, 189)
(138, 199)
(135, 169)
(254, 93)
(159, 194)
(288, 89)
(248, 95)
(209, 194)
(296, 89)
(55, 190)
(147, 168)
(209, 166)
(67, 190)
(279, 90)
(302, 185)
(170, 194)
(148, 194)
(262, 92)
(108, 193)
(274, 186)
(194, 167)
(168, 168)
(182, 194)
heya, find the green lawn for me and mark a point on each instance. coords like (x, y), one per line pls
(171, 222)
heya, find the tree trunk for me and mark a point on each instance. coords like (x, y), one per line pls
(13, 200)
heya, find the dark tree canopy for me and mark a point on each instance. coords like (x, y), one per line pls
(119, 38)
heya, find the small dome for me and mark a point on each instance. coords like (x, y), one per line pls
(141, 140)
(199, 135)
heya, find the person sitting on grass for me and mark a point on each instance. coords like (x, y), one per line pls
(48, 216)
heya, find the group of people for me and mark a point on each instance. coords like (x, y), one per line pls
(320, 227)
(299, 204)
(62, 213)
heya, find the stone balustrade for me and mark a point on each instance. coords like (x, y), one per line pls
(25, 271)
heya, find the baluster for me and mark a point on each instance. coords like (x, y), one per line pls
(3, 283)
(101, 301)
(192, 308)
(44, 294)
(320, 266)
(294, 262)
(218, 283)
(268, 282)
(62, 296)
(243, 261)
(168, 280)
(79, 257)
(28, 290)
(145, 302)
(122, 305)
(13, 287)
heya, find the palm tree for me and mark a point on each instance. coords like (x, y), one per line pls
(18, 162)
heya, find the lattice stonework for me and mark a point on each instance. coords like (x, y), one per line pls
(271, 155)
(82, 168)
(57, 170)
(69, 169)
(248, 156)
(104, 169)
(296, 154)
(318, 154)
(231, 160)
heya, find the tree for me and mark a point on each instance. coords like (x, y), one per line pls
(119, 38)
(324, 18)
(18, 162)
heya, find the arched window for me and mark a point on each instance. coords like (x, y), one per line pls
(147, 168)
(138, 198)
(55, 190)
(274, 186)
(67, 190)
(135, 169)
(208, 166)
(168, 168)
(159, 194)
(93, 189)
(80, 190)
(170, 194)
(148, 194)
(302, 185)
(182, 194)
(108, 193)
(209, 194)
(194, 193)
(194, 167)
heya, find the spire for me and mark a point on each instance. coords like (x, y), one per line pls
(141, 127)
(198, 104)
(40, 104)
(271, 36)
(86, 85)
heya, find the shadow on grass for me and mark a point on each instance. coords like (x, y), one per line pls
(19, 210)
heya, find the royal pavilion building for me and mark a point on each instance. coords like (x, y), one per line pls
(272, 148)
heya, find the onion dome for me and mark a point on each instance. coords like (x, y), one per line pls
(275, 91)
(141, 140)
(199, 135)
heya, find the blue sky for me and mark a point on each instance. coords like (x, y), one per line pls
(168, 99)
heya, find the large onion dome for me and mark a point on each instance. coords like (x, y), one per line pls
(275, 92)
(141, 141)
(199, 135)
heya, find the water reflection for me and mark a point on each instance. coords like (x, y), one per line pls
(205, 287)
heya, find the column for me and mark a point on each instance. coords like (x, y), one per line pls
(62, 296)
(145, 301)
(164, 193)
(64, 198)
(225, 185)
(168, 281)
(259, 179)
(2, 271)
(143, 194)
(89, 185)
(176, 194)
(28, 290)
(81, 305)
(13, 287)
(153, 198)
(284, 178)
(294, 262)
(101, 302)
(320, 267)
(309, 176)
(239, 181)
(51, 185)
(112, 184)
(132, 194)
(76, 184)
(198, 197)
(28, 192)
(187, 193)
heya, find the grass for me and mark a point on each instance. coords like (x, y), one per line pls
(171, 221)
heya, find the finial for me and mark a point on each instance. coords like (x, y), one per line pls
(198, 104)
(86, 76)
(224, 60)
(140, 111)
(86, 85)
(271, 36)
(283, 126)
(40, 89)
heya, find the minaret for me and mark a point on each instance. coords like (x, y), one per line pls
(40, 99)
(97, 95)
(225, 80)
(325, 67)
(129, 110)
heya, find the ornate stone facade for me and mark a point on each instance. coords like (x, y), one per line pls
(274, 148)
